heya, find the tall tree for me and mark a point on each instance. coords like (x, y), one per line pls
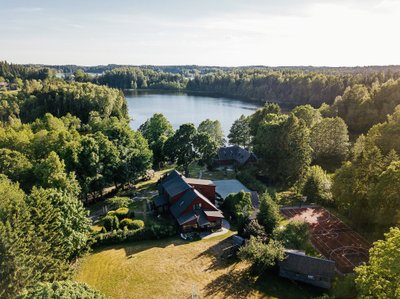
(60, 219)
(25, 257)
(261, 115)
(50, 173)
(329, 140)
(308, 114)
(157, 130)
(206, 148)
(16, 166)
(380, 278)
(213, 129)
(240, 132)
(268, 216)
(282, 145)
(317, 186)
(180, 147)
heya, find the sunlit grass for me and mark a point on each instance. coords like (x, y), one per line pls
(197, 171)
(173, 268)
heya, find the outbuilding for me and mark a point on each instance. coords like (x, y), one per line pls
(312, 270)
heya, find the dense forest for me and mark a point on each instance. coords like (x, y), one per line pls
(64, 141)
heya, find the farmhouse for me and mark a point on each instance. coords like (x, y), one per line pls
(301, 267)
(234, 155)
(190, 201)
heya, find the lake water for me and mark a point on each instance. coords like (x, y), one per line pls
(182, 108)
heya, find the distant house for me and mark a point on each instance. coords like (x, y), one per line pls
(190, 201)
(234, 155)
(301, 267)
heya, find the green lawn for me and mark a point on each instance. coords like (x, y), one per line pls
(150, 185)
(174, 268)
(196, 171)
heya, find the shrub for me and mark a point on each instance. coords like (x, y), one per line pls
(238, 204)
(61, 289)
(262, 256)
(253, 228)
(118, 202)
(289, 198)
(110, 222)
(131, 224)
(120, 213)
(268, 216)
(294, 235)
(344, 287)
(153, 232)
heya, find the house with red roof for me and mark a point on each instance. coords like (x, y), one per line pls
(191, 202)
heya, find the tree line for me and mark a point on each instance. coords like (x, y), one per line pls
(138, 78)
(38, 97)
(61, 144)
(11, 72)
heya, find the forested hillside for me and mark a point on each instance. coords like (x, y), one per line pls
(61, 144)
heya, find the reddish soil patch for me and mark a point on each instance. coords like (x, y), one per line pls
(331, 237)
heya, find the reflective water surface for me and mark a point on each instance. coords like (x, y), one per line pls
(182, 108)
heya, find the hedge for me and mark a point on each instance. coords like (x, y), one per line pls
(118, 202)
(131, 224)
(110, 222)
(121, 213)
(154, 232)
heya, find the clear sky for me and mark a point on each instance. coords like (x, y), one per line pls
(202, 32)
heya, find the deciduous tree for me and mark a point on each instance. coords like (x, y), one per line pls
(380, 277)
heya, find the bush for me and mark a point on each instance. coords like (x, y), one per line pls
(344, 287)
(153, 232)
(61, 289)
(110, 222)
(253, 228)
(131, 224)
(118, 202)
(238, 204)
(268, 216)
(294, 235)
(262, 256)
(289, 198)
(120, 213)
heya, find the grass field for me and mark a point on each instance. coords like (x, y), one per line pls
(174, 268)
(197, 171)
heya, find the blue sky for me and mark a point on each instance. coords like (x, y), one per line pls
(203, 32)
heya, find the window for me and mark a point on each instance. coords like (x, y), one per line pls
(197, 206)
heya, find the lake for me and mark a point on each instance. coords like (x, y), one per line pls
(180, 108)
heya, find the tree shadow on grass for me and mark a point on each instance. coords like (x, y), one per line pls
(219, 255)
(235, 283)
(241, 283)
(135, 247)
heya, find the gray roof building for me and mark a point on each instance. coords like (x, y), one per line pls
(301, 267)
(234, 153)
(174, 184)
